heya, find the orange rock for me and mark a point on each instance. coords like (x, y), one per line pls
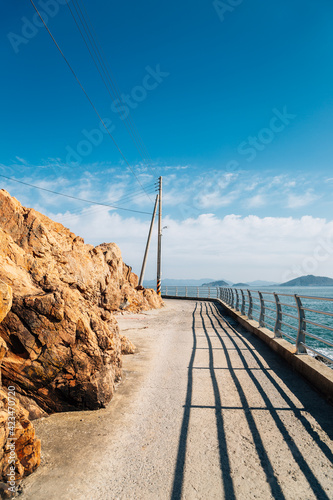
(61, 321)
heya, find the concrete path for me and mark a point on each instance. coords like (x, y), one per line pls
(206, 411)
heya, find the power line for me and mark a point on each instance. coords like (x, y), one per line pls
(94, 210)
(87, 96)
(75, 197)
(128, 123)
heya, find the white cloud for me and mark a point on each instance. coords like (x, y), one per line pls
(256, 201)
(302, 200)
(232, 247)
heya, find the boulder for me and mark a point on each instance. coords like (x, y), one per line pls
(20, 450)
(64, 347)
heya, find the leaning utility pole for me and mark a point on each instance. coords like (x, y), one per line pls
(148, 243)
(159, 241)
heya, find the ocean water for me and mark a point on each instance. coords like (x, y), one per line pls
(310, 297)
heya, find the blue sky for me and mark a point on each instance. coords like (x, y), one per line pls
(234, 109)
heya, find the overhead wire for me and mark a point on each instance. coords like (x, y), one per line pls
(98, 50)
(96, 209)
(74, 197)
(83, 212)
(87, 96)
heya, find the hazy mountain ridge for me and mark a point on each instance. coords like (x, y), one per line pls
(309, 280)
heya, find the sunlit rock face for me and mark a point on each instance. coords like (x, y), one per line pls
(64, 347)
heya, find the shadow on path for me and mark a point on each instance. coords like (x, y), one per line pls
(208, 319)
(297, 455)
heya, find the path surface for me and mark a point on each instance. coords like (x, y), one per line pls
(206, 412)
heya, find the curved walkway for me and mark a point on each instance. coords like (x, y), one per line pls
(207, 411)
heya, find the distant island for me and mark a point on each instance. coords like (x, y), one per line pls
(309, 280)
(216, 283)
(176, 282)
(257, 283)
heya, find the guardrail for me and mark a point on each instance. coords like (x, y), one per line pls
(295, 317)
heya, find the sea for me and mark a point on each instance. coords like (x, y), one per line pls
(310, 297)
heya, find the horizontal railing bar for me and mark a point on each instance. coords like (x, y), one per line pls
(289, 315)
(327, 342)
(285, 294)
(288, 305)
(318, 312)
(330, 360)
(269, 317)
(317, 324)
(286, 335)
(328, 299)
(270, 309)
(270, 301)
(289, 326)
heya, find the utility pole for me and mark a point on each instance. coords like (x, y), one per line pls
(159, 241)
(148, 242)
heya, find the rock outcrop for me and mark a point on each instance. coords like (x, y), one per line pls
(20, 450)
(6, 299)
(64, 347)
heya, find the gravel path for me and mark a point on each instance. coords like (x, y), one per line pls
(206, 411)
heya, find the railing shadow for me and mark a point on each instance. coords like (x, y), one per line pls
(180, 463)
(309, 399)
(260, 448)
(222, 442)
(214, 324)
(213, 312)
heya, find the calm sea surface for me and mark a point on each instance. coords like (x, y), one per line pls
(310, 297)
(313, 302)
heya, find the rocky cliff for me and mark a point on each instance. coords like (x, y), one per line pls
(60, 345)
(64, 347)
(19, 448)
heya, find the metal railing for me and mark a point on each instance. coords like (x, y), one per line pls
(295, 317)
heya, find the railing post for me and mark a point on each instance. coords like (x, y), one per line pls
(300, 340)
(186, 291)
(237, 300)
(262, 310)
(232, 297)
(277, 327)
(243, 303)
(249, 312)
(197, 291)
(209, 292)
